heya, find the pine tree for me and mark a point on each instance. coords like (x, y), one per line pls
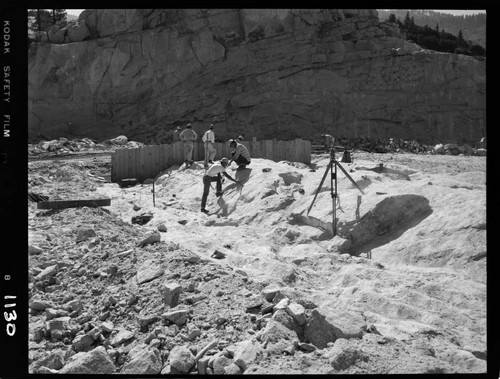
(461, 42)
(407, 20)
(58, 15)
(39, 19)
(392, 18)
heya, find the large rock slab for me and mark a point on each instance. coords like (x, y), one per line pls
(145, 362)
(93, 362)
(328, 324)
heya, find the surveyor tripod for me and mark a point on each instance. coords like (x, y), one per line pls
(332, 167)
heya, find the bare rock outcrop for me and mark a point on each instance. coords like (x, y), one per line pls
(276, 72)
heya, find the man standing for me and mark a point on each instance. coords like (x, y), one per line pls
(213, 175)
(176, 133)
(209, 140)
(240, 154)
(188, 136)
(328, 141)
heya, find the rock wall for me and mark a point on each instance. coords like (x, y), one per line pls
(265, 73)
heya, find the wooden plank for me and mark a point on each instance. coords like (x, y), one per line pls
(132, 162)
(114, 168)
(121, 165)
(139, 159)
(157, 157)
(61, 204)
(308, 152)
(146, 162)
(254, 147)
(124, 156)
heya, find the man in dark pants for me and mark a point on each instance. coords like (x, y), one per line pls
(240, 154)
(213, 175)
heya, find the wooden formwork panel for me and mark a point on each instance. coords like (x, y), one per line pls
(146, 162)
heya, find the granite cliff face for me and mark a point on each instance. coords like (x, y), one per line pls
(268, 73)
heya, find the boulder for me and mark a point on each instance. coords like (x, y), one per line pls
(107, 326)
(287, 320)
(54, 361)
(121, 336)
(78, 32)
(38, 304)
(178, 317)
(291, 177)
(51, 313)
(342, 355)
(171, 293)
(145, 320)
(232, 369)
(468, 150)
(84, 234)
(466, 360)
(182, 359)
(202, 365)
(439, 149)
(148, 271)
(82, 342)
(74, 305)
(47, 273)
(59, 326)
(120, 140)
(270, 293)
(150, 239)
(451, 148)
(219, 363)
(275, 332)
(94, 362)
(193, 334)
(327, 324)
(246, 353)
(34, 250)
(297, 311)
(145, 362)
(282, 304)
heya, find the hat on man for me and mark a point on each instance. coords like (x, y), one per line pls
(224, 161)
(188, 126)
(211, 126)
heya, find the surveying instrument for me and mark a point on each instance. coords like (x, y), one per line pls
(332, 167)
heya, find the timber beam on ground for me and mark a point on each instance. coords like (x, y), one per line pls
(61, 204)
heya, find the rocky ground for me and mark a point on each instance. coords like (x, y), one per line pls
(258, 286)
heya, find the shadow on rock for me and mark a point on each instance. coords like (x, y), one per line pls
(387, 221)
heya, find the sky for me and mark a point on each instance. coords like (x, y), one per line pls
(77, 12)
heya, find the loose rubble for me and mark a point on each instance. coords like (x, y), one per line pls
(110, 296)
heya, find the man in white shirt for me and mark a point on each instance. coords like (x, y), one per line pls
(188, 136)
(328, 141)
(209, 140)
(213, 175)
